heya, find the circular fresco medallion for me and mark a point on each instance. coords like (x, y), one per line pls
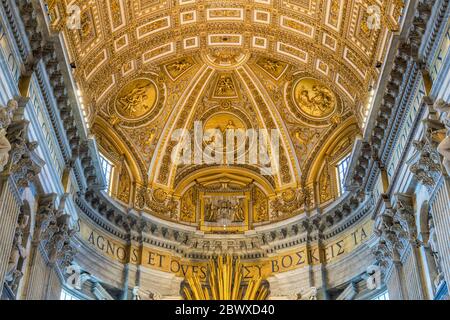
(313, 98)
(136, 99)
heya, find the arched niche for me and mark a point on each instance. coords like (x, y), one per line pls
(323, 174)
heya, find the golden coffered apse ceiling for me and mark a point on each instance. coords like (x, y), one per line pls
(148, 67)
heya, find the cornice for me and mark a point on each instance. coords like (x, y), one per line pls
(408, 90)
(439, 17)
(42, 59)
(129, 226)
(407, 57)
(21, 46)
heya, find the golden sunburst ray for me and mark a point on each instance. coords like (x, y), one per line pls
(225, 281)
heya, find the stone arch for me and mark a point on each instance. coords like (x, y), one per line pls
(322, 171)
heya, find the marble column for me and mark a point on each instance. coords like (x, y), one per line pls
(388, 252)
(395, 282)
(20, 170)
(430, 171)
(412, 264)
(51, 248)
(9, 213)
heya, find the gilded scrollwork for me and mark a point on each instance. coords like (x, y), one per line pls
(87, 30)
(188, 206)
(159, 195)
(287, 204)
(260, 206)
(141, 196)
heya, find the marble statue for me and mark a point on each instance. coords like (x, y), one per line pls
(444, 150)
(6, 115)
(444, 146)
(432, 242)
(18, 250)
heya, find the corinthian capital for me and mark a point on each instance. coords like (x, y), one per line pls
(53, 229)
(382, 254)
(45, 217)
(427, 167)
(22, 163)
(58, 245)
(405, 214)
(391, 235)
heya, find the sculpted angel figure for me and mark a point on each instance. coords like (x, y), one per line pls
(444, 150)
(318, 101)
(136, 293)
(271, 65)
(172, 207)
(306, 137)
(179, 66)
(224, 85)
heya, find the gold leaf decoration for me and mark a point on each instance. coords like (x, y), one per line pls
(136, 99)
(225, 281)
(314, 99)
(123, 192)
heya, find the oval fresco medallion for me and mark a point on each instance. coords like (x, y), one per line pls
(136, 99)
(314, 99)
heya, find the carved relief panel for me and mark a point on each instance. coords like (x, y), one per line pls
(224, 212)
(260, 206)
